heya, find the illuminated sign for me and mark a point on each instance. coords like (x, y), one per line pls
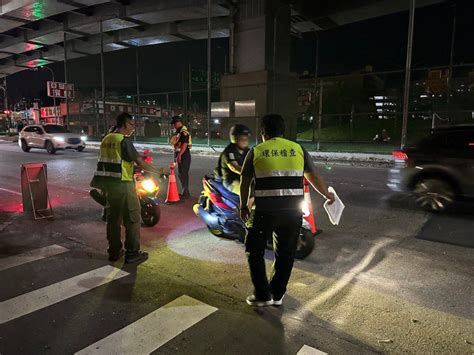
(60, 90)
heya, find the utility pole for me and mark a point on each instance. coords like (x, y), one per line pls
(3, 87)
(406, 96)
(208, 72)
(102, 74)
(65, 78)
(316, 72)
(137, 79)
(320, 113)
(451, 63)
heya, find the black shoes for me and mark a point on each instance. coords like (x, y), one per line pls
(255, 302)
(115, 257)
(140, 256)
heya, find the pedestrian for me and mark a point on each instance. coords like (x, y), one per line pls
(278, 167)
(182, 143)
(232, 158)
(114, 175)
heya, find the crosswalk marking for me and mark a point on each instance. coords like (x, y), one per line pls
(32, 255)
(308, 350)
(152, 331)
(35, 300)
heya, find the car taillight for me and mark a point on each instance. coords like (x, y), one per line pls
(399, 155)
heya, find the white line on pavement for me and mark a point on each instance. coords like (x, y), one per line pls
(44, 297)
(32, 255)
(155, 329)
(308, 350)
(11, 191)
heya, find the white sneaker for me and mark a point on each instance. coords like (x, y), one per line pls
(253, 301)
(278, 302)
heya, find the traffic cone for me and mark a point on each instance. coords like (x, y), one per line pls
(172, 195)
(309, 213)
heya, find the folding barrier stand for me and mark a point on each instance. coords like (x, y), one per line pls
(34, 189)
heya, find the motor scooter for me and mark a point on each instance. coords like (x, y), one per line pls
(219, 209)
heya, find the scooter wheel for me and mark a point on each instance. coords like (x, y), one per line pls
(151, 214)
(305, 244)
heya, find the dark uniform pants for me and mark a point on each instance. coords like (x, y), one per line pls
(123, 205)
(183, 170)
(285, 229)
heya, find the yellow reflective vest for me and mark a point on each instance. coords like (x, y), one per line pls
(176, 137)
(279, 171)
(110, 164)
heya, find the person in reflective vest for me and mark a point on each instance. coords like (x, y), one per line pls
(278, 167)
(182, 143)
(114, 175)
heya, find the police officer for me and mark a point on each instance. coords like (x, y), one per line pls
(182, 143)
(232, 158)
(114, 175)
(278, 167)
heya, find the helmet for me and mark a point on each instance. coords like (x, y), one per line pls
(176, 119)
(238, 130)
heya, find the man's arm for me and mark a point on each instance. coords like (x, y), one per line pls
(142, 164)
(234, 167)
(315, 179)
(246, 178)
(184, 140)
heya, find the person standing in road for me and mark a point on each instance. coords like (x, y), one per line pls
(232, 158)
(278, 166)
(114, 175)
(182, 143)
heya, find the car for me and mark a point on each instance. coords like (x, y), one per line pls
(51, 137)
(437, 170)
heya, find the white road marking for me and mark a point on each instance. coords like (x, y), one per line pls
(10, 191)
(154, 330)
(32, 255)
(44, 297)
(308, 350)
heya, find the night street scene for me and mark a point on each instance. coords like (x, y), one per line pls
(236, 177)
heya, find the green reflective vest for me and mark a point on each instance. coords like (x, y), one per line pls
(110, 164)
(279, 170)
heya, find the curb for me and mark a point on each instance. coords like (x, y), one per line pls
(359, 159)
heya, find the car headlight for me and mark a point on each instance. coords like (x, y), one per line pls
(59, 139)
(83, 138)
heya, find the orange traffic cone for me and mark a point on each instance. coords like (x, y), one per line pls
(172, 195)
(309, 216)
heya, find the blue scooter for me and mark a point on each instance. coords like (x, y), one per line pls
(219, 209)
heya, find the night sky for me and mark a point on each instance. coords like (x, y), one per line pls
(379, 42)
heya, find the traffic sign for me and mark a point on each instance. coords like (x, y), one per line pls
(60, 90)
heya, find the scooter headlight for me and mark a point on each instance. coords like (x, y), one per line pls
(149, 185)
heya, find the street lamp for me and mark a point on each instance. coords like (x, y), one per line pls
(54, 93)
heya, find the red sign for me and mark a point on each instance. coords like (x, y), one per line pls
(47, 112)
(60, 90)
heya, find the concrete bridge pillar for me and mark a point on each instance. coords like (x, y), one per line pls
(260, 58)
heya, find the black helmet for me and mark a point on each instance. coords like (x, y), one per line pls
(176, 119)
(238, 130)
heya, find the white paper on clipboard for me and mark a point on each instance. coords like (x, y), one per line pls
(334, 210)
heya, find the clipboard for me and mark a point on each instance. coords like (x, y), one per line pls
(334, 210)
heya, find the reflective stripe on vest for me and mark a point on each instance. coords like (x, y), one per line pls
(110, 162)
(279, 192)
(279, 168)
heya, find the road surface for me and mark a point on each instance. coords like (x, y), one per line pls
(373, 284)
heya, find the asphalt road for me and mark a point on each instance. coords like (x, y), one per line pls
(372, 284)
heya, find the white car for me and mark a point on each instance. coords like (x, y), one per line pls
(51, 137)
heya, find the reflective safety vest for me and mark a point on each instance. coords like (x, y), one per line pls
(110, 164)
(279, 170)
(175, 139)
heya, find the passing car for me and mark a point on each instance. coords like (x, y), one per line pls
(51, 137)
(438, 169)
